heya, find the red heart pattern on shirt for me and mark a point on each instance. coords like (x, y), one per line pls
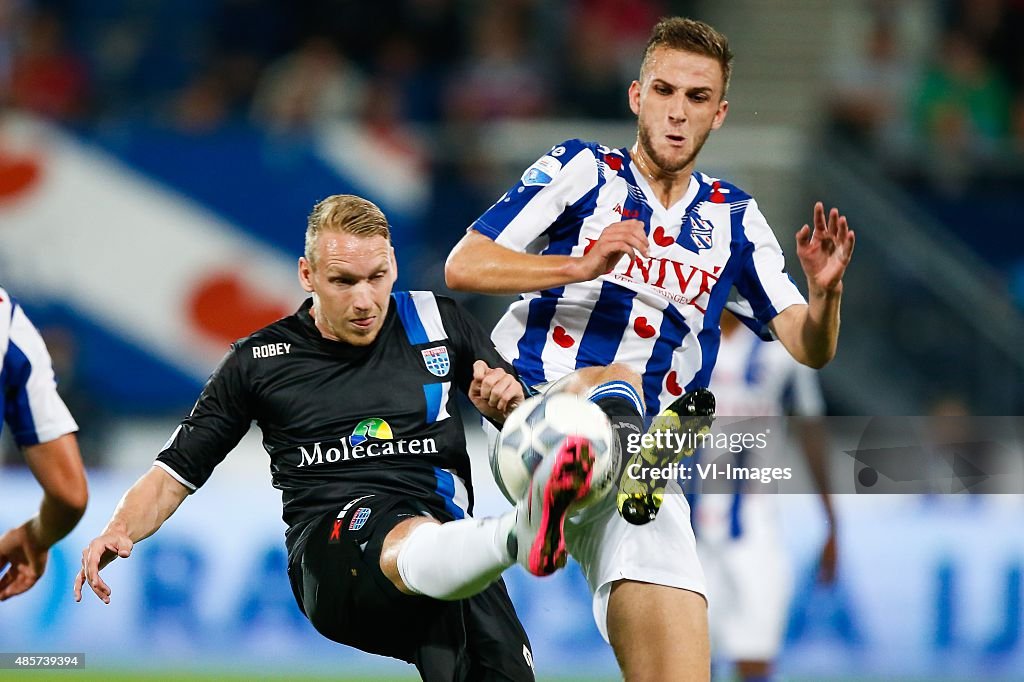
(662, 239)
(642, 329)
(562, 338)
(672, 383)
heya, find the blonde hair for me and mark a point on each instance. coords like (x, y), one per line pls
(690, 35)
(344, 213)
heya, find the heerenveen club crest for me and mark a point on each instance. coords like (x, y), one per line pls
(437, 360)
(700, 232)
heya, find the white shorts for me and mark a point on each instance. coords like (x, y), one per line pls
(608, 548)
(750, 578)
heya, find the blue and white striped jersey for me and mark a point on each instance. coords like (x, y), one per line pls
(752, 378)
(658, 315)
(757, 379)
(31, 406)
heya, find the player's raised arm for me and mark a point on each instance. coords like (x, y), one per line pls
(477, 263)
(142, 510)
(810, 333)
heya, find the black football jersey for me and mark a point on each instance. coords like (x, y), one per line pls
(341, 421)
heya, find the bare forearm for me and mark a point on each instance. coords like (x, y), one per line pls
(821, 327)
(55, 520)
(478, 264)
(147, 504)
(811, 332)
(57, 465)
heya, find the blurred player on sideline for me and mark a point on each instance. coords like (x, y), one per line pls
(739, 538)
(625, 257)
(354, 396)
(45, 430)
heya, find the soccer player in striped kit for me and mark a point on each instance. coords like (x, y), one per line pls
(739, 535)
(624, 259)
(41, 424)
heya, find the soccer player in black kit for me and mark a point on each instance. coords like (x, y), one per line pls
(353, 396)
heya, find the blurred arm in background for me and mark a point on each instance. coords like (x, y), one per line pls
(814, 443)
(43, 427)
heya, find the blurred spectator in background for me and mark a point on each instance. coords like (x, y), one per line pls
(47, 77)
(962, 103)
(10, 19)
(592, 83)
(740, 538)
(868, 103)
(500, 78)
(624, 25)
(45, 430)
(315, 83)
(202, 106)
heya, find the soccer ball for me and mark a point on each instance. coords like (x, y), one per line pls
(537, 427)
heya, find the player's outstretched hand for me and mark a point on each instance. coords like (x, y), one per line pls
(494, 392)
(95, 556)
(24, 560)
(826, 250)
(626, 238)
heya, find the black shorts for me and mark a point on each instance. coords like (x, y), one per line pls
(340, 587)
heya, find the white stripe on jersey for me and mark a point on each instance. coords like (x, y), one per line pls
(175, 475)
(45, 417)
(430, 316)
(523, 229)
(442, 414)
(755, 378)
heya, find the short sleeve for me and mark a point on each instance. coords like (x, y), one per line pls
(764, 286)
(218, 421)
(546, 191)
(471, 342)
(32, 408)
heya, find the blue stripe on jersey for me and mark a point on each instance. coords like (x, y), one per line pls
(710, 335)
(752, 372)
(542, 310)
(606, 326)
(747, 281)
(498, 216)
(788, 398)
(635, 199)
(446, 489)
(433, 394)
(691, 491)
(736, 510)
(15, 374)
(407, 312)
(673, 330)
(617, 389)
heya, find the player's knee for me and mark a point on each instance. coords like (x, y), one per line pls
(618, 371)
(398, 538)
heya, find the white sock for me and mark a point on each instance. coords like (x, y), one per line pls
(457, 559)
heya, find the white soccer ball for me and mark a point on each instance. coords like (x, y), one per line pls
(538, 427)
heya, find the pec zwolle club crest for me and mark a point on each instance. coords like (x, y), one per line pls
(437, 360)
(700, 232)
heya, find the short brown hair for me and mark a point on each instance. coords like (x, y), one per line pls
(690, 35)
(344, 213)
